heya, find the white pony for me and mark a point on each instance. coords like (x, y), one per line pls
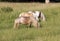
(27, 21)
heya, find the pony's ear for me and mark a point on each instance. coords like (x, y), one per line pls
(39, 15)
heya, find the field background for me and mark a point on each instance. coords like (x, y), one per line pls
(50, 30)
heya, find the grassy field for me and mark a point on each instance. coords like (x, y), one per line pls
(50, 30)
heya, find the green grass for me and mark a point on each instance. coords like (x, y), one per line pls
(50, 30)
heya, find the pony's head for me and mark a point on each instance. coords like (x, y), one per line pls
(40, 15)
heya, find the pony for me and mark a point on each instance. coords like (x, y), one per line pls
(27, 20)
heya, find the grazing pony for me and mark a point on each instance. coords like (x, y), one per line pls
(27, 20)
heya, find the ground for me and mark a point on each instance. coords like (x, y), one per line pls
(49, 30)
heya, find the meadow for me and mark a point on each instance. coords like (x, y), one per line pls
(49, 30)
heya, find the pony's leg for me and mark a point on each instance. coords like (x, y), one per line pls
(36, 25)
(15, 25)
(30, 25)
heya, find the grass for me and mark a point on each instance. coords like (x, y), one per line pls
(50, 30)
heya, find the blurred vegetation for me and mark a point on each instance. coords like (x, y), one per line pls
(6, 9)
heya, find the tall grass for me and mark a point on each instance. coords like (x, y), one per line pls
(50, 30)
